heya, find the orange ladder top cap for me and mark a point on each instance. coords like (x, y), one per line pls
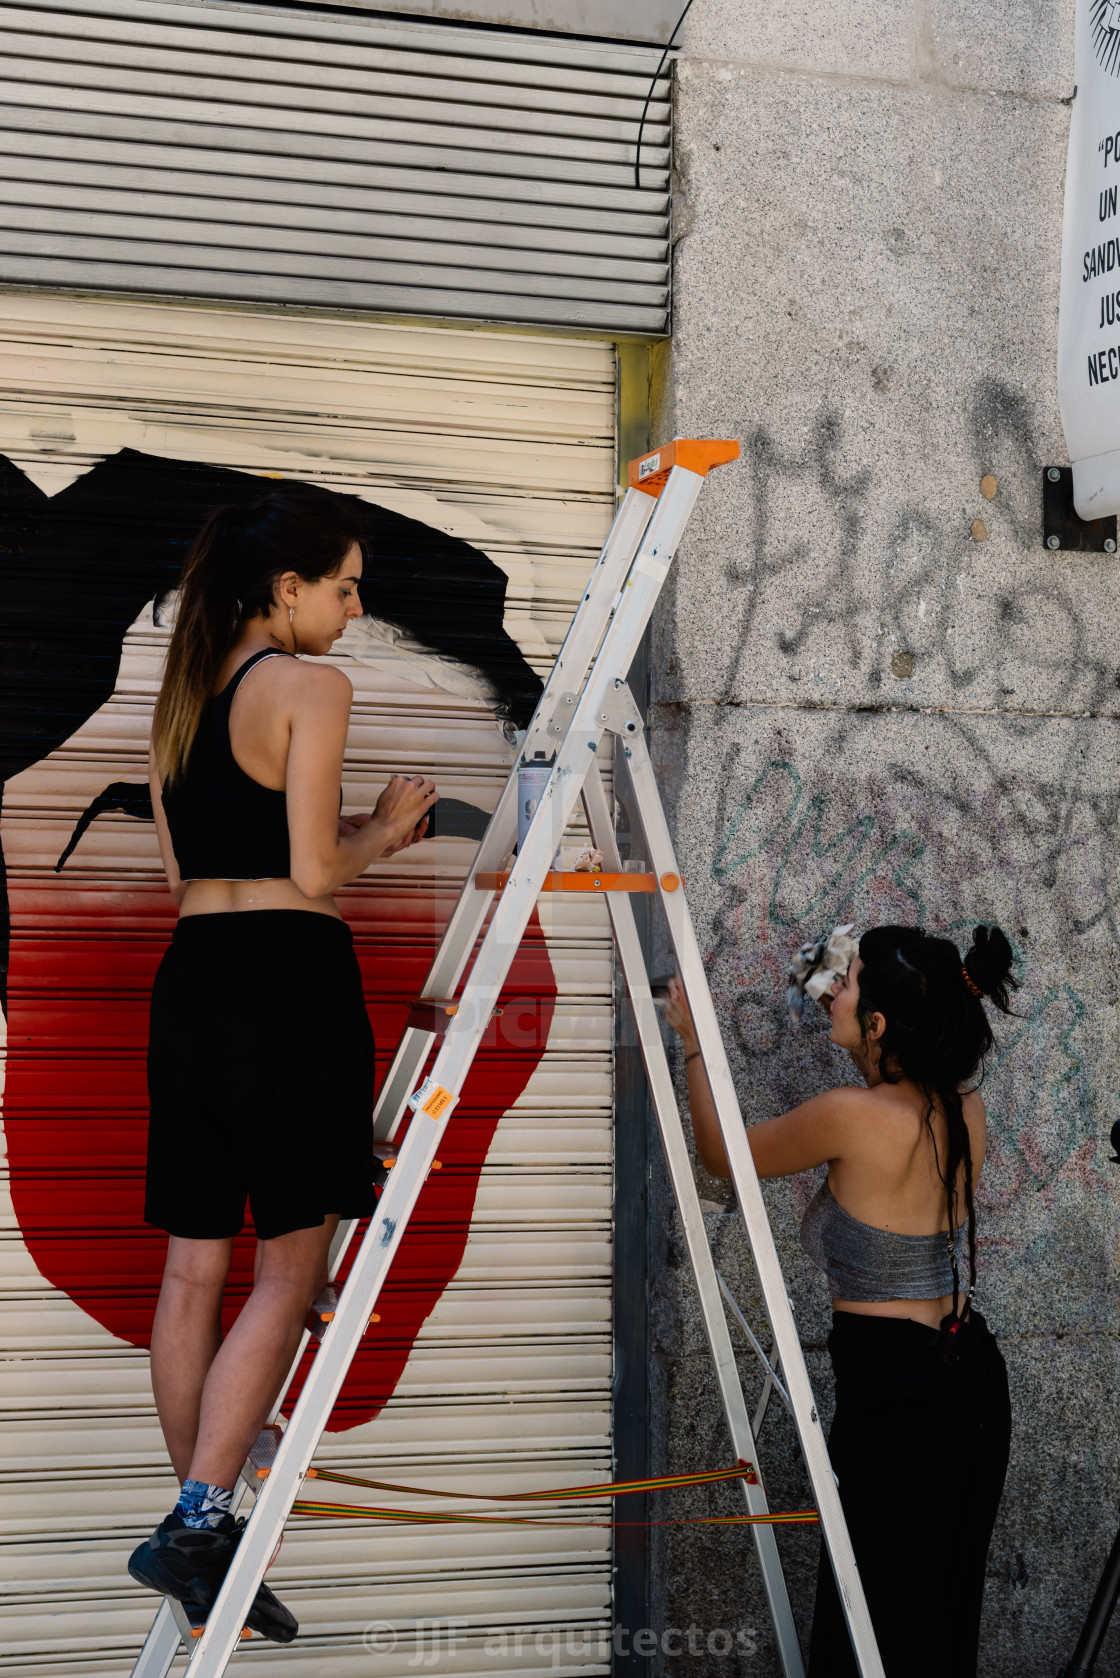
(696, 454)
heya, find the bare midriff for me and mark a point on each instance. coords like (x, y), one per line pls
(235, 897)
(929, 1311)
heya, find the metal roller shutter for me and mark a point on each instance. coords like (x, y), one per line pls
(206, 150)
(508, 441)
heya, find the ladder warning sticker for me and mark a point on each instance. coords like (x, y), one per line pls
(650, 465)
(649, 566)
(431, 1098)
(438, 1102)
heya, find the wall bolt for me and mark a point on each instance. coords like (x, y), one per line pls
(1053, 474)
(1109, 545)
(1053, 542)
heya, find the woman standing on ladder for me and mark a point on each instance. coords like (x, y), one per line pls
(922, 1428)
(260, 1061)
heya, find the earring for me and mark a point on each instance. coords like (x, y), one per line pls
(291, 613)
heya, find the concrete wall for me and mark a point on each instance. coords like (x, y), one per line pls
(873, 713)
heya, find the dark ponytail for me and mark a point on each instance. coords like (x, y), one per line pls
(988, 966)
(230, 576)
(937, 1035)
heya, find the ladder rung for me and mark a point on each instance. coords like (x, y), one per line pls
(321, 1313)
(558, 881)
(197, 1631)
(262, 1452)
(318, 1319)
(431, 1013)
(434, 1014)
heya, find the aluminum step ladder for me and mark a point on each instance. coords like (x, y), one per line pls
(586, 699)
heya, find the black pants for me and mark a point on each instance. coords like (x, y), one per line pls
(920, 1447)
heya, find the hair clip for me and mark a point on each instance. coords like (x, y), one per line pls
(971, 983)
(816, 967)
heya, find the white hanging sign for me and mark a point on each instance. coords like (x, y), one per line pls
(1089, 324)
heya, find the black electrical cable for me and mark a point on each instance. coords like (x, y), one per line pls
(649, 96)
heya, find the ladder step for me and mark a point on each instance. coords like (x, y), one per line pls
(197, 1631)
(262, 1452)
(320, 1314)
(262, 1455)
(431, 1013)
(556, 880)
(434, 1014)
(319, 1319)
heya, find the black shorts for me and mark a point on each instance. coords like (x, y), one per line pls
(260, 1077)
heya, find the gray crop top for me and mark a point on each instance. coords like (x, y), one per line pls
(865, 1264)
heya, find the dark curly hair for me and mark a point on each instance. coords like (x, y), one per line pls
(937, 1035)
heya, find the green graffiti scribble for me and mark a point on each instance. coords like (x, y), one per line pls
(1081, 1113)
(843, 885)
(719, 868)
(906, 886)
(856, 838)
(859, 832)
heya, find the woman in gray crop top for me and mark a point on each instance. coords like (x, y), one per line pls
(920, 1382)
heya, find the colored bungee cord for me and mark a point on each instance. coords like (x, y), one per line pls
(351, 1511)
(563, 1494)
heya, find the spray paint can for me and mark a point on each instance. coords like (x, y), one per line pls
(532, 783)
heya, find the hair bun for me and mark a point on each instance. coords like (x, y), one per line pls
(988, 964)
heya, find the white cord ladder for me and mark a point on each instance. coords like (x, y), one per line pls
(586, 698)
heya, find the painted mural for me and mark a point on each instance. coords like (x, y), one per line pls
(85, 574)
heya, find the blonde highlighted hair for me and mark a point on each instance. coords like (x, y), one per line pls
(230, 576)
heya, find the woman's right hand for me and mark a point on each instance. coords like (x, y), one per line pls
(402, 811)
(679, 1015)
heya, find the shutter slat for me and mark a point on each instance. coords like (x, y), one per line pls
(410, 98)
(370, 42)
(424, 145)
(440, 124)
(55, 133)
(184, 198)
(446, 304)
(260, 108)
(377, 256)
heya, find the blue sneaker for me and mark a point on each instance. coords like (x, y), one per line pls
(189, 1564)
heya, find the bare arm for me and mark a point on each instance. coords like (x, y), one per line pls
(166, 851)
(323, 858)
(811, 1134)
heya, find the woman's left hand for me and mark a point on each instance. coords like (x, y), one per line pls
(412, 838)
(351, 824)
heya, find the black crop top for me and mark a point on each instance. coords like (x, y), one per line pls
(223, 824)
